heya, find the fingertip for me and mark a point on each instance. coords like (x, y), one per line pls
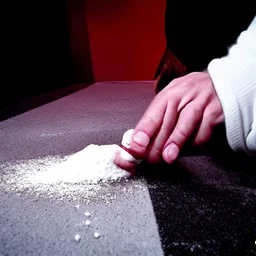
(171, 153)
(141, 138)
(139, 144)
(135, 143)
(124, 164)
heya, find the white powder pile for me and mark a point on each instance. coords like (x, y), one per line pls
(92, 164)
(33, 177)
(86, 176)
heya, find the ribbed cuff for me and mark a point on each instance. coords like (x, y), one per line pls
(233, 117)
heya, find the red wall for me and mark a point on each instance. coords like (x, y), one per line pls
(126, 38)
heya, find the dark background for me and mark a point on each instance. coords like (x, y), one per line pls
(37, 55)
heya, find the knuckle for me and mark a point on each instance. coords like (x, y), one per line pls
(197, 111)
(210, 118)
(181, 133)
(173, 97)
(149, 120)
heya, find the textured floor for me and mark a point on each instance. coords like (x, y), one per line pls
(202, 205)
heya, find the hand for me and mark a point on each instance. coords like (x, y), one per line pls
(188, 108)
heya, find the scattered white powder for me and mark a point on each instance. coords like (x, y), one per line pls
(97, 235)
(77, 238)
(87, 223)
(87, 214)
(92, 164)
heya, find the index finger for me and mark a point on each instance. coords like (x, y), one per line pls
(148, 125)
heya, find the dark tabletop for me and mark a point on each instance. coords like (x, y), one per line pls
(204, 204)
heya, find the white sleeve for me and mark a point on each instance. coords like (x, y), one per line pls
(234, 78)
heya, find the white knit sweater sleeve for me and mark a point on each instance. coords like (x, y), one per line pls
(234, 78)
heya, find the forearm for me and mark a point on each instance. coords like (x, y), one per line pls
(234, 78)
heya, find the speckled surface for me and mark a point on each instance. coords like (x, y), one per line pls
(204, 204)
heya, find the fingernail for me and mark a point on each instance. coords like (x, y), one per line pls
(172, 152)
(141, 138)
